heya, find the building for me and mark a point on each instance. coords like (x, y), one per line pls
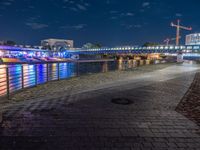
(57, 45)
(193, 39)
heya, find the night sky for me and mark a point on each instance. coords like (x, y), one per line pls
(109, 22)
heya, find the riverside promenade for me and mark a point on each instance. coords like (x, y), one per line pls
(83, 113)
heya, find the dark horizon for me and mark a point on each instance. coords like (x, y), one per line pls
(109, 22)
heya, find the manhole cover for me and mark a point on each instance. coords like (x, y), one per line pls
(122, 101)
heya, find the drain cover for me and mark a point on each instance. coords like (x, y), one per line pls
(122, 101)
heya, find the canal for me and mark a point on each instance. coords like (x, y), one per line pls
(20, 76)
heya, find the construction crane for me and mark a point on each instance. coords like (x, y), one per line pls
(168, 40)
(178, 28)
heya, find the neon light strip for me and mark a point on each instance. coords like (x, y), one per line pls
(12, 48)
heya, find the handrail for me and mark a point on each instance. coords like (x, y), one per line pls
(14, 77)
(17, 77)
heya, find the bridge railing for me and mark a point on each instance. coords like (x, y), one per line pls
(169, 48)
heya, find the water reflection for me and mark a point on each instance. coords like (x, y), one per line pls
(141, 62)
(105, 67)
(29, 75)
(53, 71)
(67, 70)
(41, 73)
(130, 64)
(147, 62)
(124, 65)
(120, 65)
(15, 77)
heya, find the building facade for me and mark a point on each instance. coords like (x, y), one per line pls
(57, 45)
(193, 39)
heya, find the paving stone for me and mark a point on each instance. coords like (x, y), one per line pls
(88, 120)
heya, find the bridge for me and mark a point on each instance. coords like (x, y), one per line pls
(138, 50)
(186, 50)
(118, 50)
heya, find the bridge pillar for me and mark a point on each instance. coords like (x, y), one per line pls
(137, 57)
(141, 62)
(147, 61)
(121, 58)
(153, 56)
(105, 67)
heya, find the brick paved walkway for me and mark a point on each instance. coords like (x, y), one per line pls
(89, 120)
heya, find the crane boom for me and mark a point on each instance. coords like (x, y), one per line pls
(182, 27)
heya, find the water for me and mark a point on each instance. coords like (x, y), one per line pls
(29, 75)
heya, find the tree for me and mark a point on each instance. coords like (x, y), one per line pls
(88, 45)
(46, 47)
(10, 43)
(91, 46)
(97, 45)
(150, 44)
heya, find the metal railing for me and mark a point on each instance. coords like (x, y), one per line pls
(17, 77)
(3, 80)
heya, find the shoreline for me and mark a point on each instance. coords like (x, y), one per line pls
(50, 62)
(75, 61)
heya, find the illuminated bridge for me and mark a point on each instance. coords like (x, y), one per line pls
(139, 50)
(117, 50)
(191, 51)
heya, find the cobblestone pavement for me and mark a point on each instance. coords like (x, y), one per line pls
(89, 119)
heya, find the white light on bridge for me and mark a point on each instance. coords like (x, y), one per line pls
(189, 47)
(196, 47)
(166, 47)
(176, 47)
(182, 47)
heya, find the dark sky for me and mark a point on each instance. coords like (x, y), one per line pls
(109, 22)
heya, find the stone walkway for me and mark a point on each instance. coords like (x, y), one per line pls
(89, 119)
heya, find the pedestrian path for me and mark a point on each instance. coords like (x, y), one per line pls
(90, 120)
